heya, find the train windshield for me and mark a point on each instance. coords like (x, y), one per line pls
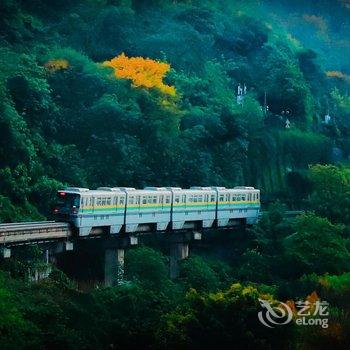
(68, 200)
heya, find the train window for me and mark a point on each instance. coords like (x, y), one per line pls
(195, 198)
(137, 199)
(154, 199)
(183, 198)
(107, 217)
(91, 201)
(257, 196)
(227, 197)
(244, 197)
(177, 199)
(221, 198)
(109, 201)
(212, 198)
(190, 198)
(144, 200)
(122, 200)
(99, 201)
(131, 200)
(104, 201)
(149, 199)
(167, 199)
(200, 198)
(115, 201)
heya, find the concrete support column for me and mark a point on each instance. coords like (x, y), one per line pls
(5, 252)
(113, 267)
(178, 251)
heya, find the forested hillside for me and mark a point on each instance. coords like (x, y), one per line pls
(144, 92)
(68, 116)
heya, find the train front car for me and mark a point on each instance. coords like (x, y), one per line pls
(92, 212)
(68, 205)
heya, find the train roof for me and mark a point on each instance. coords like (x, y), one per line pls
(98, 192)
(155, 190)
(238, 189)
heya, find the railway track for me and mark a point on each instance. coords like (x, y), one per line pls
(24, 232)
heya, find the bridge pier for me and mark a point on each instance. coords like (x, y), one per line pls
(5, 252)
(114, 253)
(113, 266)
(178, 252)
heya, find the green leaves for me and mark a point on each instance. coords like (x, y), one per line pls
(331, 192)
(317, 246)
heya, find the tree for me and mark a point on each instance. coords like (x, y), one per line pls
(197, 274)
(147, 267)
(316, 246)
(16, 332)
(331, 192)
(229, 315)
(143, 72)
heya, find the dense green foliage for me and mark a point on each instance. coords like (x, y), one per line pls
(212, 298)
(65, 119)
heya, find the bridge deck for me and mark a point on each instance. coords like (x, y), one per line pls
(25, 232)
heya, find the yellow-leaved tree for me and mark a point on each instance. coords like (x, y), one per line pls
(56, 64)
(143, 72)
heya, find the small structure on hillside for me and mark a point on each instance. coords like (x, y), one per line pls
(327, 118)
(241, 92)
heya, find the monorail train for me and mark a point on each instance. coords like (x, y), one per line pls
(121, 209)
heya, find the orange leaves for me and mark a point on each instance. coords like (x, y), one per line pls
(143, 72)
(58, 64)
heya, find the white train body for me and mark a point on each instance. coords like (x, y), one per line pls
(119, 209)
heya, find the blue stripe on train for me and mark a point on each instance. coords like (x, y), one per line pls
(162, 212)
